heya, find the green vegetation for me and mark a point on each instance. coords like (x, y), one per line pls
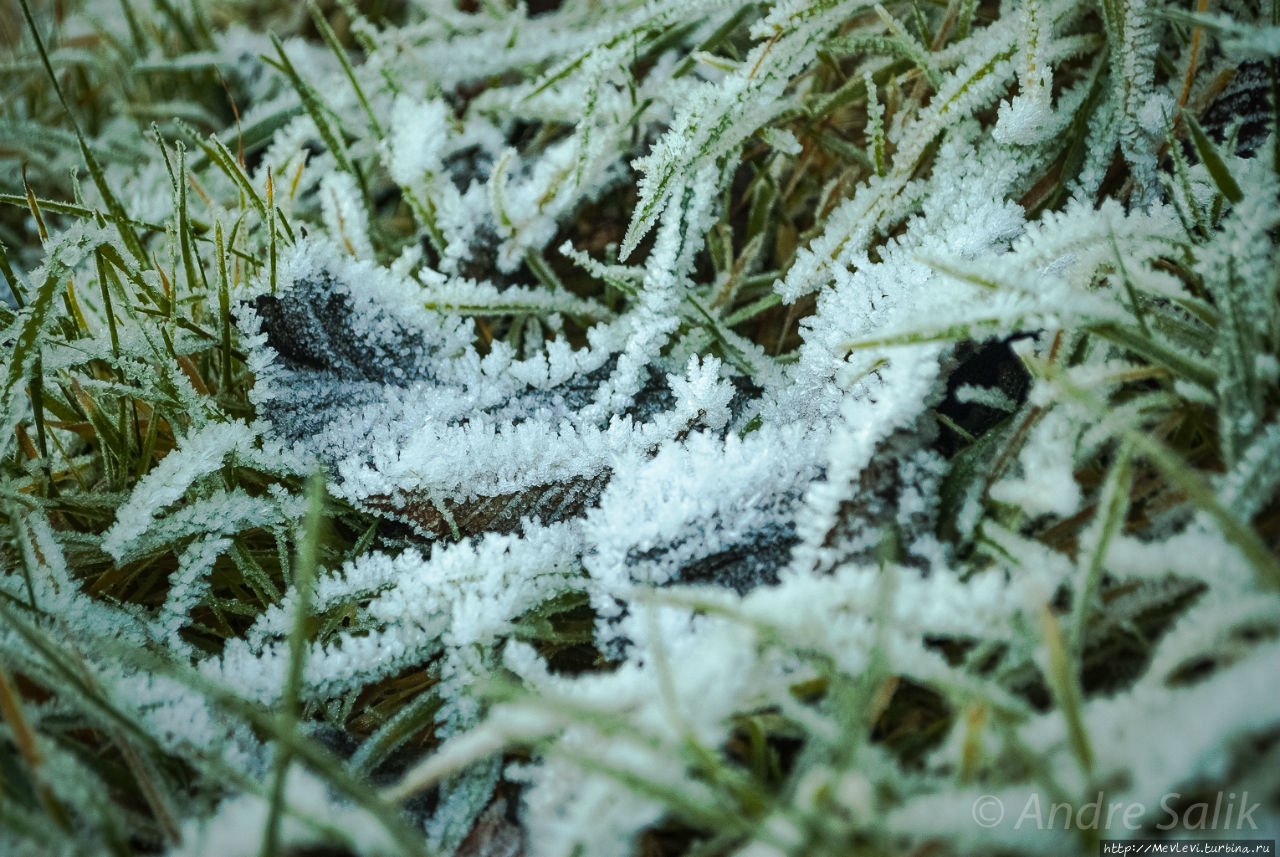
(631, 428)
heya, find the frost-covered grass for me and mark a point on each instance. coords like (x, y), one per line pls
(638, 428)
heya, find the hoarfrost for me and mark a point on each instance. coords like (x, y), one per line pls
(662, 540)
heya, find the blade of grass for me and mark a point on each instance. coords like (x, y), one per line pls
(304, 572)
(135, 30)
(1212, 160)
(272, 239)
(25, 355)
(222, 157)
(224, 311)
(25, 739)
(413, 717)
(34, 207)
(314, 105)
(179, 182)
(331, 39)
(753, 309)
(103, 281)
(1061, 673)
(714, 40)
(75, 210)
(1112, 509)
(255, 134)
(179, 24)
(16, 288)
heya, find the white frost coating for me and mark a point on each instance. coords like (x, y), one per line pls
(462, 597)
(345, 217)
(867, 419)
(1023, 119)
(186, 584)
(1047, 483)
(524, 454)
(418, 135)
(990, 397)
(198, 453)
(661, 537)
(236, 829)
(654, 502)
(222, 513)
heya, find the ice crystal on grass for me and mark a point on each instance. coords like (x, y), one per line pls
(743, 428)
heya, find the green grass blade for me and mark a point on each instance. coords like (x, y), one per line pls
(26, 347)
(315, 107)
(331, 39)
(304, 573)
(1213, 162)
